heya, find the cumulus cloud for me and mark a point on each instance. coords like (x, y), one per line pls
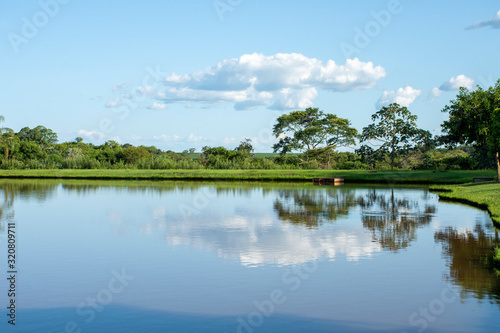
(94, 135)
(403, 96)
(121, 86)
(451, 85)
(166, 138)
(147, 90)
(195, 138)
(158, 106)
(493, 23)
(259, 240)
(280, 81)
(97, 136)
(229, 140)
(456, 82)
(114, 103)
(435, 92)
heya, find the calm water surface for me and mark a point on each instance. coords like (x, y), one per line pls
(231, 257)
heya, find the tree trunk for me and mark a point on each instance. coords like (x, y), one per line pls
(6, 153)
(498, 166)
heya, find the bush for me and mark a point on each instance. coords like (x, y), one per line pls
(442, 160)
(133, 155)
(83, 162)
(12, 164)
(351, 165)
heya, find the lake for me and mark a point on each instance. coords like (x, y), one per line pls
(144, 256)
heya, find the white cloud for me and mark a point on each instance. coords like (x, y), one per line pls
(436, 92)
(289, 98)
(147, 90)
(114, 103)
(229, 140)
(166, 138)
(97, 136)
(456, 82)
(452, 84)
(280, 81)
(403, 96)
(493, 23)
(121, 86)
(194, 138)
(177, 78)
(93, 135)
(158, 106)
(261, 240)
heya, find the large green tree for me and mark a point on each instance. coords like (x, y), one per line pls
(312, 132)
(394, 131)
(40, 134)
(475, 120)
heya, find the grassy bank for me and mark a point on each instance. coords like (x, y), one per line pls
(482, 195)
(352, 176)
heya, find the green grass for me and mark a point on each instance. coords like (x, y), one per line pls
(352, 176)
(484, 195)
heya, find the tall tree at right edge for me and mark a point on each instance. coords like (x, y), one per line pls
(475, 120)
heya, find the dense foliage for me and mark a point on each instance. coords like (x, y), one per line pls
(475, 120)
(37, 148)
(306, 140)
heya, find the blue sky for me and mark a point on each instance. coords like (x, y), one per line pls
(182, 74)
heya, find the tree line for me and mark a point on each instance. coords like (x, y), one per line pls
(307, 139)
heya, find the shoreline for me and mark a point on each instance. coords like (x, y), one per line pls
(485, 196)
(350, 176)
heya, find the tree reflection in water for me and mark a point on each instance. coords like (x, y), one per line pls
(30, 189)
(6, 210)
(389, 214)
(394, 219)
(468, 254)
(312, 208)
